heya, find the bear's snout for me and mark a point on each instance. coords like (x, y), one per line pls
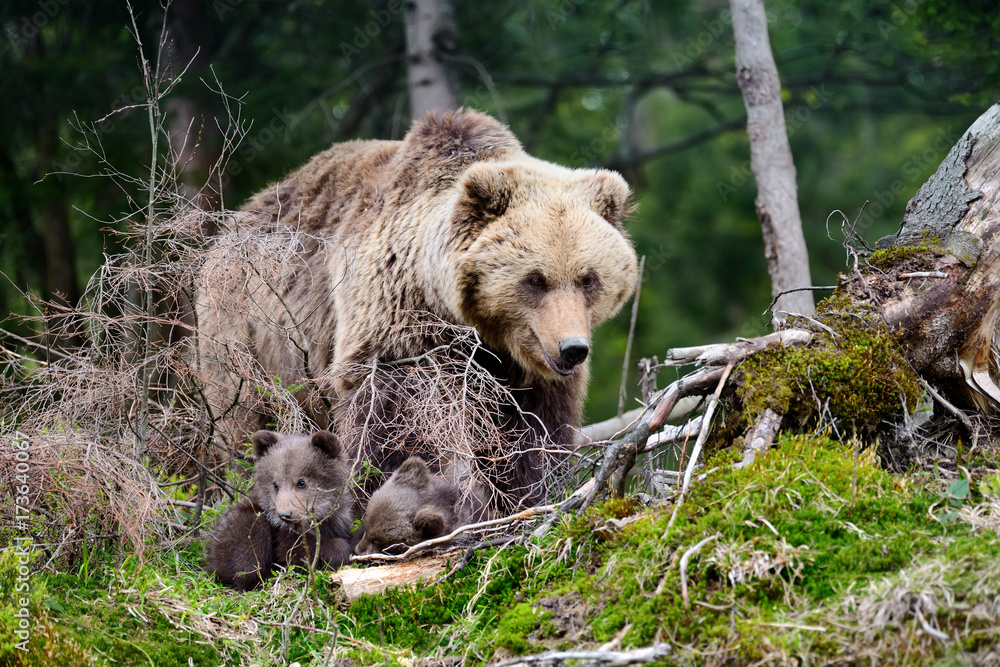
(573, 350)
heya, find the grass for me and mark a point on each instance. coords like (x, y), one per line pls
(814, 557)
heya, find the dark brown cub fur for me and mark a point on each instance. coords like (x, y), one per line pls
(411, 507)
(298, 495)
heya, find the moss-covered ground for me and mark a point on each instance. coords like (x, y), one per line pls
(815, 554)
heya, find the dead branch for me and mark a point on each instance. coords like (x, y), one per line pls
(427, 544)
(607, 658)
(720, 354)
(706, 426)
(684, 563)
(759, 437)
(620, 451)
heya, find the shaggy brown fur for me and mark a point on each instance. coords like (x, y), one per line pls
(411, 507)
(456, 221)
(297, 494)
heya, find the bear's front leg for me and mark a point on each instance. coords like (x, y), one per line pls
(241, 548)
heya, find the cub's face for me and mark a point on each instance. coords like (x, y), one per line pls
(403, 511)
(299, 479)
(547, 259)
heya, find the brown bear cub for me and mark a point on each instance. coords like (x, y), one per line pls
(298, 493)
(411, 507)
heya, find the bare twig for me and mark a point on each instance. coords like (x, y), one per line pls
(705, 428)
(427, 544)
(604, 658)
(631, 335)
(962, 417)
(924, 274)
(684, 563)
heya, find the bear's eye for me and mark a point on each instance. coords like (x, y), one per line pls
(275, 486)
(301, 484)
(536, 281)
(588, 281)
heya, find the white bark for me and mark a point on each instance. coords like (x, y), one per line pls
(771, 158)
(430, 35)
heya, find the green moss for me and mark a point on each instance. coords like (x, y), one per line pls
(858, 376)
(813, 530)
(520, 627)
(785, 526)
(889, 257)
(412, 617)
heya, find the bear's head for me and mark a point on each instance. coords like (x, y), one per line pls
(411, 507)
(299, 480)
(544, 258)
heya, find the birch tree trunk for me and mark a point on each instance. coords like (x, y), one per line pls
(430, 37)
(777, 201)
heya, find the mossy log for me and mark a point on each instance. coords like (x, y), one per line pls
(937, 281)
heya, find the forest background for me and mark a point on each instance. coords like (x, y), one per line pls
(875, 95)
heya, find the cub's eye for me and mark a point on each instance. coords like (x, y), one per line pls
(275, 486)
(301, 484)
(588, 281)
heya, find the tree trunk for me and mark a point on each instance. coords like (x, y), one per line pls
(430, 37)
(943, 301)
(777, 201)
(192, 141)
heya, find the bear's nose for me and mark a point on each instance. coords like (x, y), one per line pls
(285, 514)
(573, 350)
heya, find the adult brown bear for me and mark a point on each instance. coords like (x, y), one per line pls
(455, 223)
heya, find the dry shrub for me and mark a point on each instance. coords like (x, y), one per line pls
(77, 489)
(446, 407)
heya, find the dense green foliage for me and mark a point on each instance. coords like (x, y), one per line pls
(875, 96)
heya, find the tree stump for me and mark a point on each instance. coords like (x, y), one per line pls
(936, 281)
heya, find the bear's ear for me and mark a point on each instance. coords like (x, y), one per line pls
(486, 192)
(609, 196)
(327, 442)
(429, 523)
(413, 473)
(263, 441)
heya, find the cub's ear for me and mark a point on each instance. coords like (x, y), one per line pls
(429, 523)
(609, 196)
(413, 473)
(327, 442)
(486, 192)
(263, 441)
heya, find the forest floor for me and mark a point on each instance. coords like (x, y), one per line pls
(812, 555)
